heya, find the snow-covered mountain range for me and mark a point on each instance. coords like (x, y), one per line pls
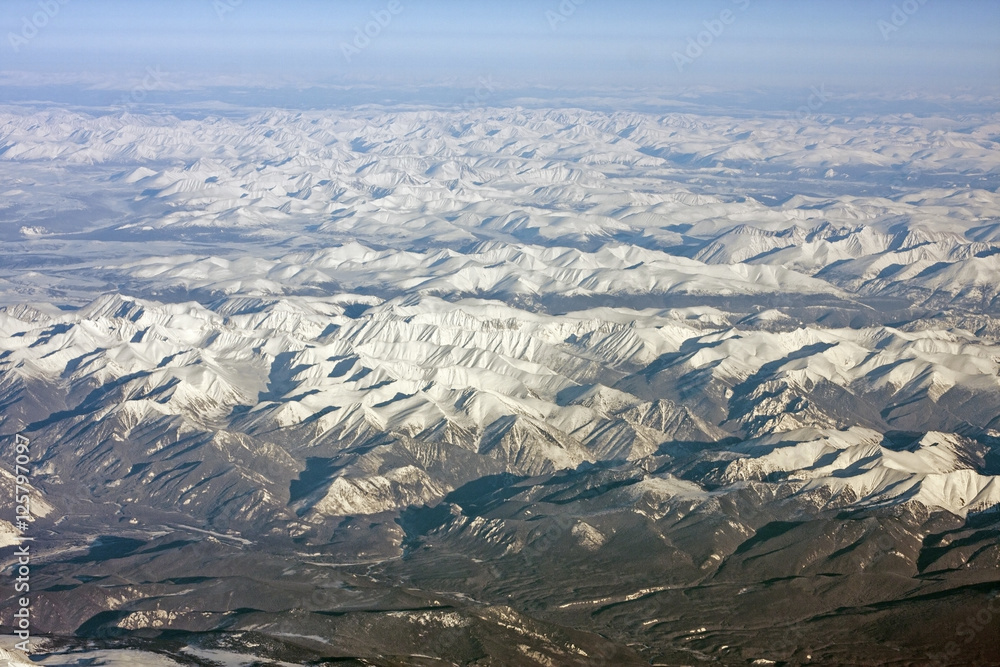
(410, 398)
(467, 352)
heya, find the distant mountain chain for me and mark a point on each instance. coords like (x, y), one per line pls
(766, 203)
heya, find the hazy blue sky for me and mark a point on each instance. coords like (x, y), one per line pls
(935, 44)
